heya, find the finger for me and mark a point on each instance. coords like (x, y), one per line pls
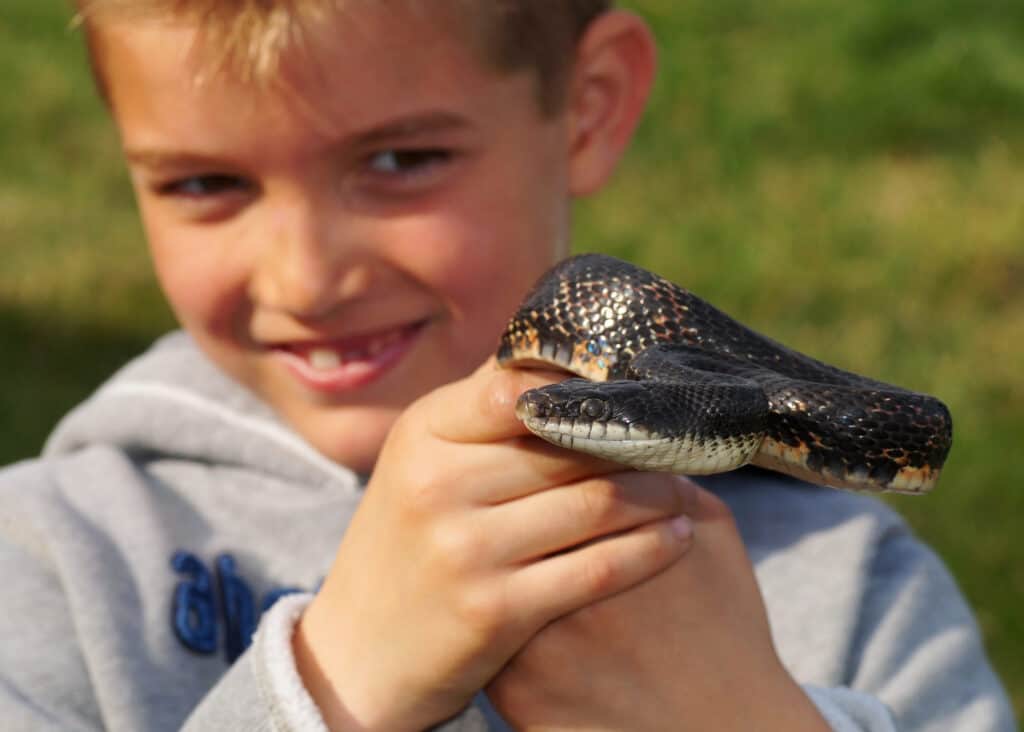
(481, 407)
(570, 515)
(521, 466)
(566, 582)
(702, 505)
(690, 496)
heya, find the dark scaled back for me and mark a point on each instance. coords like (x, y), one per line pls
(616, 309)
(599, 311)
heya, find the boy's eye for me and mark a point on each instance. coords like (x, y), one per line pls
(401, 174)
(391, 162)
(199, 186)
(206, 197)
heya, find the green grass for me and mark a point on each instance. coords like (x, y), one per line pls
(843, 176)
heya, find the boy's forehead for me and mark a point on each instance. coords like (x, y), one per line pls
(394, 44)
(358, 71)
(288, 40)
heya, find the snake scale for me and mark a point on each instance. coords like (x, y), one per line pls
(671, 383)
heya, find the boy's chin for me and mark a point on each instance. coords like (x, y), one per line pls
(353, 440)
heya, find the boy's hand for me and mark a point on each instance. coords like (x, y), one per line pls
(689, 649)
(471, 537)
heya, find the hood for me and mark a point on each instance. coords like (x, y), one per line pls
(173, 402)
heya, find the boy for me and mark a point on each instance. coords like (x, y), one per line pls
(344, 201)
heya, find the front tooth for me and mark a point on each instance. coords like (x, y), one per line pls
(324, 359)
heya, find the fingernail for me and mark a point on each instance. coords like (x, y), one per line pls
(682, 527)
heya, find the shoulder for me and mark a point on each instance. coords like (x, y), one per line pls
(22, 487)
(778, 514)
(822, 558)
(856, 600)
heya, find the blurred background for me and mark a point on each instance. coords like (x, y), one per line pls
(847, 177)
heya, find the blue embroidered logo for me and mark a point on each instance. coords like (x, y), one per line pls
(198, 597)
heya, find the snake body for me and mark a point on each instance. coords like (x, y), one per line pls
(671, 383)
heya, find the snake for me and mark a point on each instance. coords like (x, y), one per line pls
(661, 380)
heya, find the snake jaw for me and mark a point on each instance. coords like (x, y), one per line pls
(607, 420)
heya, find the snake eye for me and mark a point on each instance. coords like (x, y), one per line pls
(594, 408)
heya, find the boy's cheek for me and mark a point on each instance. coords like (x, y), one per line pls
(207, 293)
(491, 266)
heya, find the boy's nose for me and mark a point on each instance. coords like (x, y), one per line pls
(306, 270)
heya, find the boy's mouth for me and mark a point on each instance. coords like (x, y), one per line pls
(348, 363)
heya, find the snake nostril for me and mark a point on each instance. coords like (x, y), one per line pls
(533, 404)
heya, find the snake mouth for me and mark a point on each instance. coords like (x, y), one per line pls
(612, 440)
(638, 448)
(595, 426)
(562, 430)
(581, 409)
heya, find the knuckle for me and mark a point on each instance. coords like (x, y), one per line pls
(712, 507)
(422, 496)
(421, 413)
(482, 610)
(659, 493)
(663, 546)
(598, 502)
(501, 392)
(555, 465)
(600, 575)
(503, 388)
(655, 547)
(459, 550)
(687, 492)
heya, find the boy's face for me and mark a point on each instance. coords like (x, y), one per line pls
(354, 239)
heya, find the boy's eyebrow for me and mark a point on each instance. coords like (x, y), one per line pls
(156, 159)
(404, 127)
(409, 126)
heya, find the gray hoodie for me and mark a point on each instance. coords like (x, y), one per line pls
(172, 514)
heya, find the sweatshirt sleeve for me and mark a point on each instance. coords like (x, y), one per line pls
(846, 710)
(916, 663)
(917, 650)
(263, 691)
(43, 676)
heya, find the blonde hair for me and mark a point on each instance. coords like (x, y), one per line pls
(248, 38)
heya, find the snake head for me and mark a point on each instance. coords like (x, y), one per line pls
(579, 405)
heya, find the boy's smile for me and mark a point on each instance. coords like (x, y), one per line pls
(354, 237)
(334, 366)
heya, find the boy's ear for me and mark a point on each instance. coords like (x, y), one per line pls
(607, 91)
